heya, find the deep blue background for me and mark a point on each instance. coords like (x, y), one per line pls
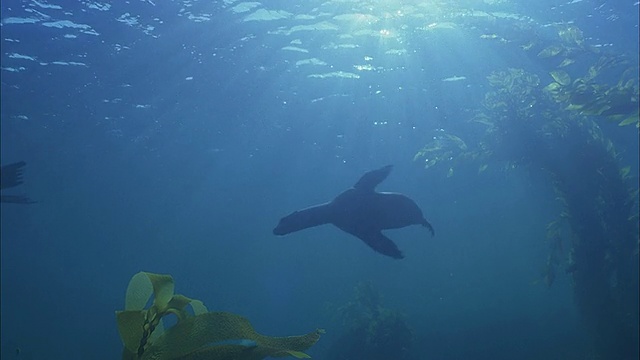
(135, 167)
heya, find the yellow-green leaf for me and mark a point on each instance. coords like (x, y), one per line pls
(198, 307)
(527, 46)
(573, 107)
(459, 142)
(553, 87)
(561, 77)
(566, 62)
(550, 51)
(630, 120)
(624, 172)
(297, 354)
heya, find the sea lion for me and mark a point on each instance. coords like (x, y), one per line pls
(363, 213)
(11, 176)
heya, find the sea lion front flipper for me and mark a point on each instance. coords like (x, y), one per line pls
(382, 244)
(371, 179)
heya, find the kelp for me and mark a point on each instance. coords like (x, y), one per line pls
(617, 103)
(553, 128)
(569, 41)
(198, 334)
(372, 331)
(443, 148)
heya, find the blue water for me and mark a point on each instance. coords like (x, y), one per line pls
(171, 136)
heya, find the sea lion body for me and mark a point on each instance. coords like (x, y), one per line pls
(362, 212)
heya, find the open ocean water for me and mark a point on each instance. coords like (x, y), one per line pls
(172, 136)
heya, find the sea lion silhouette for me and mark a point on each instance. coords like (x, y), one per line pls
(361, 212)
(11, 176)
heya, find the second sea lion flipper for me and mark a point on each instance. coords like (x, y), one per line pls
(382, 244)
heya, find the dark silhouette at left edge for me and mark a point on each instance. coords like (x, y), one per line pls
(11, 176)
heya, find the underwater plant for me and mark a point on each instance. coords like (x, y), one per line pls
(554, 130)
(371, 330)
(195, 336)
(617, 103)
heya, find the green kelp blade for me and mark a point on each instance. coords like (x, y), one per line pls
(561, 77)
(130, 324)
(592, 73)
(550, 51)
(527, 46)
(178, 305)
(484, 120)
(553, 88)
(163, 288)
(132, 321)
(128, 355)
(456, 140)
(429, 163)
(297, 354)
(195, 333)
(159, 330)
(143, 284)
(630, 120)
(574, 107)
(139, 292)
(450, 172)
(198, 307)
(566, 62)
(572, 34)
(624, 172)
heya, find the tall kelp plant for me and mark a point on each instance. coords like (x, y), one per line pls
(553, 129)
(372, 331)
(197, 334)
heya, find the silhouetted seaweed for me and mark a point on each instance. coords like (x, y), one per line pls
(371, 330)
(554, 129)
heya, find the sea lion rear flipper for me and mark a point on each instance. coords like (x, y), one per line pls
(371, 179)
(382, 244)
(426, 224)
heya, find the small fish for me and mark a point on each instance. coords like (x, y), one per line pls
(455, 78)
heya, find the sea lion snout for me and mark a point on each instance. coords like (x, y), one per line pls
(287, 224)
(278, 230)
